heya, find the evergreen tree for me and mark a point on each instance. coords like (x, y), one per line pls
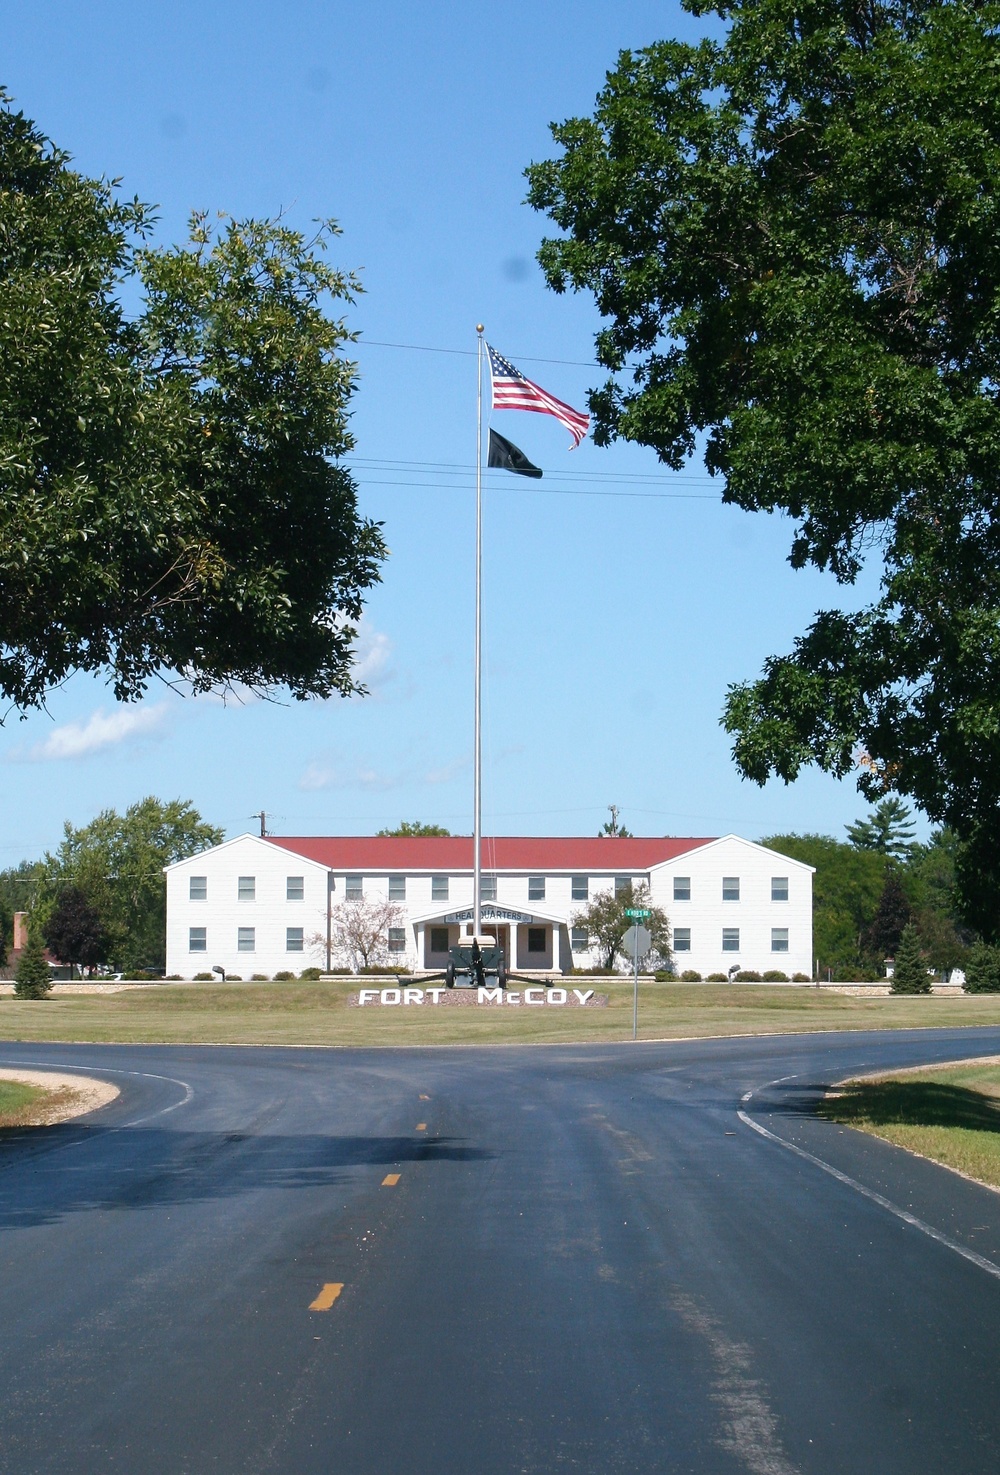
(888, 828)
(32, 979)
(881, 937)
(909, 975)
(982, 970)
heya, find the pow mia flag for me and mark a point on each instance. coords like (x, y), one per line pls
(506, 456)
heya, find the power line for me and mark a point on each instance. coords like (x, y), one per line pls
(525, 358)
(384, 463)
(538, 491)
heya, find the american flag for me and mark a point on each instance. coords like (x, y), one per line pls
(511, 391)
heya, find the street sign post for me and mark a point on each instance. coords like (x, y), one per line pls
(640, 912)
(636, 942)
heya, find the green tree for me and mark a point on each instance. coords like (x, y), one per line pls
(18, 888)
(932, 889)
(408, 827)
(32, 979)
(909, 973)
(982, 970)
(118, 860)
(847, 888)
(613, 826)
(880, 938)
(74, 931)
(888, 828)
(793, 236)
(171, 494)
(606, 923)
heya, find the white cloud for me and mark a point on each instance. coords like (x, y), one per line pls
(373, 650)
(326, 775)
(98, 731)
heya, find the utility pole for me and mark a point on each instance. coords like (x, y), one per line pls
(262, 816)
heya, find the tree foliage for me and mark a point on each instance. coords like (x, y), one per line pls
(410, 827)
(613, 826)
(18, 888)
(75, 932)
(170, 495)
(606, 924)
(117, 861)
(360, 930)
(909, 973)
(982, 970)
(793, 235)
(847, 888)
(880, 938)
(889, 828)
(32, 978)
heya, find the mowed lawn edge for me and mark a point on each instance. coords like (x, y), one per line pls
(310, 1014)
(949, 1114)
(18, 1101)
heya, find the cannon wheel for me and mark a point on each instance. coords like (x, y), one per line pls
(502, 976)
(449, 976)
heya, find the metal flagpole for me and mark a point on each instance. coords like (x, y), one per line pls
(477, 819)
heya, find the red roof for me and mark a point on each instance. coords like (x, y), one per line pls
(374, 853)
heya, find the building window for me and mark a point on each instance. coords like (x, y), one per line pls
(536, 939)
(197, 940)
(295, 888)
(245, 940)
(682, 939)
(246, 888)
(536, 888)
(682, 888)
(397, 888)
(730, 939)
(579, 939)
(622, 883)
(198, 888)
(487, 888)
(439, 888)
(779, 939)
(397, 939)
(439, 939)
(779, 888)
(354, 888)
(294, 940)
(730, 888)
(580, 888)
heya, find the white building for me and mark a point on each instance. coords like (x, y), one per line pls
(257, 905)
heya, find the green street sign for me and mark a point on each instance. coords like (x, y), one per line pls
(639, 912)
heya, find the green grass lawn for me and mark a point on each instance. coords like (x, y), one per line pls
(17, 1101)
(318, 1014)
(949, 1113)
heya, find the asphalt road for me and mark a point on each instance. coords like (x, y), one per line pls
(590, 1262)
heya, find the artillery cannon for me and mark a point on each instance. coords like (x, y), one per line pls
(475, 959)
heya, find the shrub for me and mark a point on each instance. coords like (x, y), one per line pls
(233, 978)
(690, 975)
(172, 978)
(774, 975)
(909, 974)
(204, 977)
(982, 970)
(338, 973)
(395, 970)
(283, 976)
(665, 975)
(748, 975)
(142, 975)
(716, 977)
(32, 979)
(801, 978)
(310, 974)
(260, 978)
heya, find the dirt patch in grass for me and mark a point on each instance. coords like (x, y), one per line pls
(950, 1114)
(40, 1098)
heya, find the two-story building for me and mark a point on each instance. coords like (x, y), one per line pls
(254, 905)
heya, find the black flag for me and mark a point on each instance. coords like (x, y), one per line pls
(505, 455)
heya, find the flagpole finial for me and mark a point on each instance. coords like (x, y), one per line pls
(480, 328)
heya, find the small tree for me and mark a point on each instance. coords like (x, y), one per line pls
(361, 931)
(75, 932)
(982, 970)
(909, 974)
(414, 827)
(881, 937)
(32, 979)
(613, 826)
(606, 923)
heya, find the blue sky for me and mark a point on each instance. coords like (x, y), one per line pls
(619, 600)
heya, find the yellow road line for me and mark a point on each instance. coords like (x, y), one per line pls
(421, 1126)
(390, 1180)
(327, 1296)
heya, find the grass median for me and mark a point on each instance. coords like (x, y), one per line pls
(318, 1014)
(949, 1113)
